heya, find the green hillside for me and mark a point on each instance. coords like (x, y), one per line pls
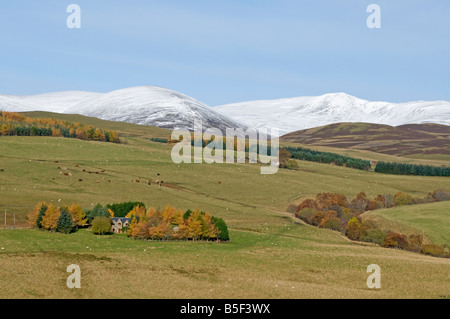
(431, 220)
(270, 255)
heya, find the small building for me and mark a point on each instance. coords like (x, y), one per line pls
(119, 223)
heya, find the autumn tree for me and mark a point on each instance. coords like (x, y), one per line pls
(354, 229)
(78, 215)
(284, 156)
(36, 215)
(50, 218)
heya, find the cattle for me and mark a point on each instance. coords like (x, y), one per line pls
(76, 165)
(80, 180)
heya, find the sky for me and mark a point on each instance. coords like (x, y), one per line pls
(226, 51)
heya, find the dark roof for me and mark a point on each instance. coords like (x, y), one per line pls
(122, 219)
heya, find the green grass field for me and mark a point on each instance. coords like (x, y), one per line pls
(270, 254)
(431, 220)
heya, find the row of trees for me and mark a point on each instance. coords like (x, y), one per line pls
(172, 223)
(16, 124)
(411, 169)
(156, 224)
(306, 154)
(60, 219)
(334, 211)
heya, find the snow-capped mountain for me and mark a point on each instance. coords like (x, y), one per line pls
(292, 114)
(152, 105)
(56, 102)
(147, 105)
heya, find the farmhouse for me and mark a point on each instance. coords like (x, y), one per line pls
(118, 224)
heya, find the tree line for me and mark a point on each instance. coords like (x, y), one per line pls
(16, 124)
(411, 169)
(306, 154)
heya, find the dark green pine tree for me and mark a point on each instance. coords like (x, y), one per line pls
(65, 222)
(41, 215)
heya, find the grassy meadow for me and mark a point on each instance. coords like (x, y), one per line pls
(270, 255)
(431, 220)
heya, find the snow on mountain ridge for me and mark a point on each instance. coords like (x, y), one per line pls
(151, 105)
(292, 114)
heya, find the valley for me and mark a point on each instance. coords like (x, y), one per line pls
(310, 262)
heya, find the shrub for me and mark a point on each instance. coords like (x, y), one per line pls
(307, 203)
(354, 229)
(360, 204)
(441, 195)
(402, 199)
(374, 235)
(101, 225)
(333, 223)
(292, 165)
(306, 214)
(396, 240)
(317, 218)
(433, 250)
(415, 243)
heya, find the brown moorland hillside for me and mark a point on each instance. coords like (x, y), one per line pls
(404, 140)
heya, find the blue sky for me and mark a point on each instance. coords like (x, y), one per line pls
(224, 51)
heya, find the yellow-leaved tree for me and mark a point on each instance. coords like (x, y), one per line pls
(50, 218)
(78, 215)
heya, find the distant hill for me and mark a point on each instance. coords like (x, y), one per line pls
(410, 139)
(299, 113)
(145, 105)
